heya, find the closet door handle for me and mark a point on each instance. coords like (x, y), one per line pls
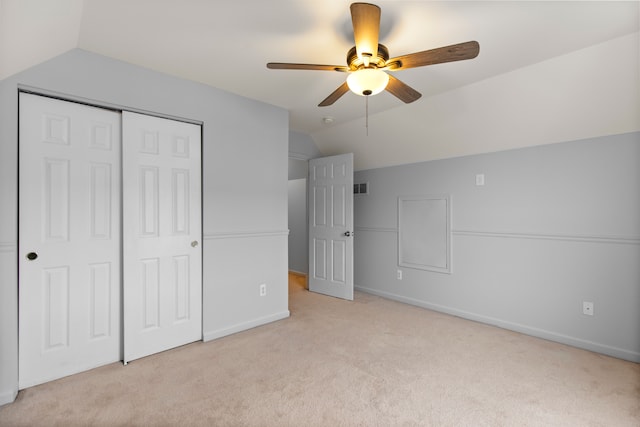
(194, 243)
(32, 256)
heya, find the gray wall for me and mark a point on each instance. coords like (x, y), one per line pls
(245, 146)
(298, 169)
(553, 226)
(301, 149)
(298, 226)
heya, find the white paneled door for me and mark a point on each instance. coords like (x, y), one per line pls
(109, 237)
(162, 231)
(69, 239)
(331, 226)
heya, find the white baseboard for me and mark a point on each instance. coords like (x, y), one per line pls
(298, 273)
(212, 335)
(8, 397)
(619, 353)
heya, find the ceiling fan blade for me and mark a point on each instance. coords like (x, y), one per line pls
(366, 28)
(401, 90)
(455, 52)
(335, 95)
(288, 66)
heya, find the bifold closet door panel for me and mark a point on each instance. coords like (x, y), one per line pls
(162, 256)
(69, 238)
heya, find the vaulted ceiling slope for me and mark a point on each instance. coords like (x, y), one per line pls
(548, 71)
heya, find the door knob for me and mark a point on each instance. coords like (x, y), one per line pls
(31, 256)
(194, 243)
(347, 233)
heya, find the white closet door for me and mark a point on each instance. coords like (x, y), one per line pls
(69, 239)
(162, 259)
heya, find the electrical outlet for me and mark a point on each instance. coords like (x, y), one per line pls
(587, 308)
(399, 275)
(263, 289)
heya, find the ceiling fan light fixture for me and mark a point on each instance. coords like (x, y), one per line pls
(367, 60)
(367, 81)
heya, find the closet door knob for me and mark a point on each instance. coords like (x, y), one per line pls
(194, 243)
(31, 256)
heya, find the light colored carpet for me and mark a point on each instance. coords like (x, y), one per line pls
(371, 362)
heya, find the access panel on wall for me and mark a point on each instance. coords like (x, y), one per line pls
(424, 232)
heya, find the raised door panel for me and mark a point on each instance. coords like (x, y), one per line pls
(338, 270)
(180, 201)
(319, 212)
(55, 324)
(149, 306)
(148, 195)
(319, 257)
(338, 205)
(56, 199)
(101, 195)
(101, 300)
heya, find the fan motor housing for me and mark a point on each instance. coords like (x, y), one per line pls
(379, 61)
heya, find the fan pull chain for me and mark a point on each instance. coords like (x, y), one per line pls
(366, 109)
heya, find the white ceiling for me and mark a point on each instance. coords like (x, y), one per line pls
(226, 44)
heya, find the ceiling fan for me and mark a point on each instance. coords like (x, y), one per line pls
(367, 61)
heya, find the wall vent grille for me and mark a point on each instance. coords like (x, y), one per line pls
(361, 188)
